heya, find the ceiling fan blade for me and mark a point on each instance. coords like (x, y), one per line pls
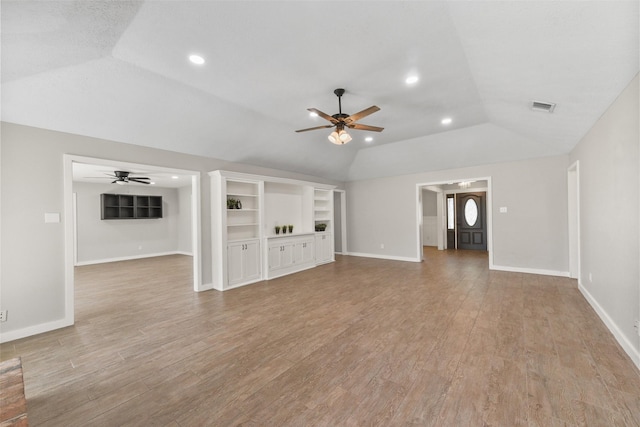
(315, 128)
(139, 180)
(365, 127)
(364, 113)
(323, 115)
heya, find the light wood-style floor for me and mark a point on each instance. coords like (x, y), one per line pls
(357, 342)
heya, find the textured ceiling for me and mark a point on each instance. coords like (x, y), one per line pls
(118, 70)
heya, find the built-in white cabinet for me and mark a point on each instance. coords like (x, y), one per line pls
(246, 209)
(243, 262)
(290, 254)
(324, 248)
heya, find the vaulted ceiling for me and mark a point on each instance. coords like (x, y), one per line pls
(119, 70)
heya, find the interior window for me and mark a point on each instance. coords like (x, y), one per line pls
(471, 211)
(450, 212)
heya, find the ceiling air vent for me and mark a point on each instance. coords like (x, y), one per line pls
(542, 106)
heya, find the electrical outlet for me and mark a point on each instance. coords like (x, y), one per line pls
(636, 325)
(3, 315)
(381, 245)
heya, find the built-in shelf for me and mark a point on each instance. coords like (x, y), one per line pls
(245, 211)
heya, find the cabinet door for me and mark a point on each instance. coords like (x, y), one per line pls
(234, 263)
(318, 248)
(324, 247)
(286, 256)
(308, 251)
(251, 260)
(327, 247)
(275, 256)
(298, 253)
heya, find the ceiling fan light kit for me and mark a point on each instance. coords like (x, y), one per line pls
(340, 121)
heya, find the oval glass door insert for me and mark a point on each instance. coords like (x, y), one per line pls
(471, 212)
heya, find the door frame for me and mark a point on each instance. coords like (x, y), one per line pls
(70, 222)
(442, 224)
(573, 208)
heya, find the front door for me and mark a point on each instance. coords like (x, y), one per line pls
(471, 221)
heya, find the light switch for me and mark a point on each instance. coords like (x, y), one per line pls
(51, 217)
(503, 209)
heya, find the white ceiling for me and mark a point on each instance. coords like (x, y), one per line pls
(104, 174)
(119, 70)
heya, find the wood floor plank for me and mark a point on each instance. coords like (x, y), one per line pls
(356, 342)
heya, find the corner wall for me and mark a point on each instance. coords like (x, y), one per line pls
(609, 204)
(531, 237)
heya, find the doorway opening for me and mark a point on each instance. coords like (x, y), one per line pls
(190, 196)
(455, 215)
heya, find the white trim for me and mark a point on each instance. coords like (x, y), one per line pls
(530, 270)
(69, 249)
(129, 258)
(75, 228)
(35, 330)
(419, 220)
(379, 256)
(206, 287)
(196, 232)
(626, 345)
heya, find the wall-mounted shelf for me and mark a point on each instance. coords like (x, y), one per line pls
(129, 206)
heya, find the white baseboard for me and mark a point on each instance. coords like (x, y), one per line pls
(205, 287)
(129, 258)
(626, 345)
(389, 257)
(529, 270)
(34, 330)
(183, 253)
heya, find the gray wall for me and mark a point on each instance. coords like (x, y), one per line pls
(429, 204)
(32, 269)
(609, 170)
(100, 241)
(532, 235)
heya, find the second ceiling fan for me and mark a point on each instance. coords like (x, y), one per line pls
(342, 121)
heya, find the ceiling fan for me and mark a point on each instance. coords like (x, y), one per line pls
(341, 120)
(123, 177)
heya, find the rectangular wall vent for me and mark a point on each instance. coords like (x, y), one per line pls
(543, 106)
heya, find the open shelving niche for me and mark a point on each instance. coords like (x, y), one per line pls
(130, 206)
(243, 222)
(267, 202)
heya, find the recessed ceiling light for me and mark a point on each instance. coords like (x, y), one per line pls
(313, 114)
(369, 139)
(446, 121)
(152, 183)
(174, 177)
(196, 59)
(411, 80)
